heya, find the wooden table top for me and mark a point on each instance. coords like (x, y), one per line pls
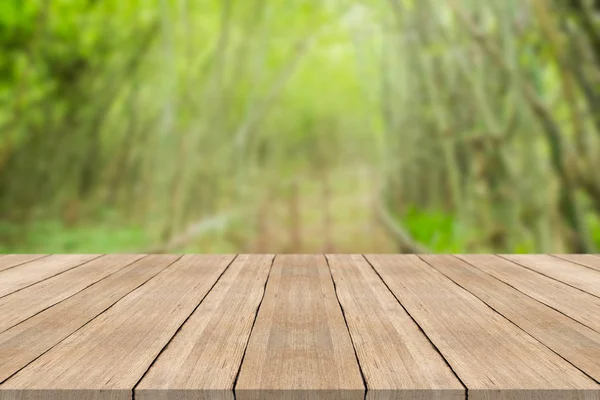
(150, 327)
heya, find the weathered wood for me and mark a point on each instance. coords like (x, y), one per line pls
(25, 275)
(203, 359)
(28, 340)
(12, 260)
(386, 327)
(491, 356)
(300, 347)
(18, 306)
(108, 356)
(574, 275)
(589, 260)
(570, 339)
(580, 306)
(397, 360)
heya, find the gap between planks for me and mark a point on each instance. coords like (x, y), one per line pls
(29, 340)
(580, 277)
(116, 347)
(573, 341)
(172, 343)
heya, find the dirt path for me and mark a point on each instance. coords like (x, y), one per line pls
(318, 216)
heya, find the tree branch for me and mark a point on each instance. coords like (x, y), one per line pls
(403, 239)
(195, 230)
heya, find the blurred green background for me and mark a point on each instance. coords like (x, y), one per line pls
(299, 126)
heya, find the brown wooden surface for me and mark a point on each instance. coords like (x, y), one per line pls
(109, 355)
(24, 275)
(18, 306)
(300, 346)
(572, 274)
(30, 339)
(588, 260)
(12, 260)
(574, 303)
(487, 352)
(203, 359)
(225, 327)
(397, 360)
(572, 340)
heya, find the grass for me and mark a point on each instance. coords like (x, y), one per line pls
(52, 236)
(353, 228)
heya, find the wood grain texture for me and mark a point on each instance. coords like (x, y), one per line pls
(203, 359)
(12, 260)
(25, 342)
(491, 356)
(589, 260)
(300, 347)
(167, 327)
(108, 356)
(580, 306)
(570, 339)
(25, 275)
(574, 275)
(397, 359)
(18, 306)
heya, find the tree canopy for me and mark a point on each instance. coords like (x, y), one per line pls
(300, 126)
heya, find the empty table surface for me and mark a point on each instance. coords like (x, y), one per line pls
(183, 327)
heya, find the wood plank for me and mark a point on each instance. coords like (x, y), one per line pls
(12, 260)
(300, 347)
(574, 275)
(396, 358)
(18, 306)
(25, 275)
(27, 341)
(491, 356)
(108, 356)
(573, 341)
(589, 260)
(203, 359)
(580, 306)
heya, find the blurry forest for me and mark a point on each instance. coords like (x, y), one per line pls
(300, 126)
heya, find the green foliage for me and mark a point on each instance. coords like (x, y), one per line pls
(441, 231)
(53, 236)
(167, 112)
(594, 226)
